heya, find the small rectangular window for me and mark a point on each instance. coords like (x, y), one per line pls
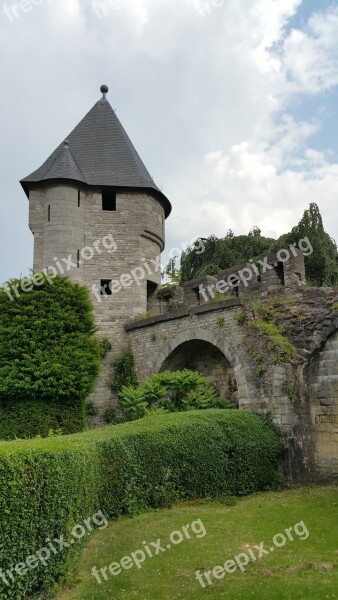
(79, 198)
(109, 200)
(106, 287)
(279, 270)
(48, 213)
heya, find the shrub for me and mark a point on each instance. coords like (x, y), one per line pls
(49, 358)
(124, 372)
(112, 418)
(240, 317)
(175, 391)
(50, 485)
(105, 347)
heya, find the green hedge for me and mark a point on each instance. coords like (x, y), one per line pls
(21, 419)
(49, 485)
(49, 357)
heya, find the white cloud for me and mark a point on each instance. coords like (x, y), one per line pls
(205, 96)
(311, 56)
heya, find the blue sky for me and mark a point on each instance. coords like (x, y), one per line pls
(232, 106)
(323, 105)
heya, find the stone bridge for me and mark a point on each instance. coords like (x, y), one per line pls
(301, 395)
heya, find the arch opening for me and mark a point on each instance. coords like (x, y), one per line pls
(207, 359)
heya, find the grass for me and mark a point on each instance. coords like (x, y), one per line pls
(300, 570)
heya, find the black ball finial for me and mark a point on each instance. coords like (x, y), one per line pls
(104, 89)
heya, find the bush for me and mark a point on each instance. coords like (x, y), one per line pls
(124, 372)
(105, 347)
(50, 485)
(49, 358)
(175, 391)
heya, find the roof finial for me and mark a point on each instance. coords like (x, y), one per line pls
(104, 89)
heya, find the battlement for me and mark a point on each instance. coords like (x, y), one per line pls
(270, 275)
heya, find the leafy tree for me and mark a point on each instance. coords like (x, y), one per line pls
(49, 358)
(171, 272)
(322, 264)
(223, 253)
(230, 251)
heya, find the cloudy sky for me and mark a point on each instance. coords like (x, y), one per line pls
(232, 105)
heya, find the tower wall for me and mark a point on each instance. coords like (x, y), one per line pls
(117, 246)
(58, 224)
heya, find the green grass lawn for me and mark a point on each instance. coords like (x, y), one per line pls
(301, 569)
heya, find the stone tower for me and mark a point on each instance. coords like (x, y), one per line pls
(98, 217)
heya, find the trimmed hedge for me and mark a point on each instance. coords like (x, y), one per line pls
(21, 419)
(49, 485)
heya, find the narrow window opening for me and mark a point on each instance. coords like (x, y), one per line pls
(106, 287)
(109, 200)
(279, 270)
(78, 259)
(151, 295)
(196, 295)
(79, 198)
(48, 213)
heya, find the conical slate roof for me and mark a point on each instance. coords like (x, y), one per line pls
(98, 152)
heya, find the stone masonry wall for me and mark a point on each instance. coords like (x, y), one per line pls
(137, 229)
(301, 395)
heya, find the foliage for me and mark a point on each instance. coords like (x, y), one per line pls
(220, 321)
(220, 254)
(91, 410)
(147, 314)
(240, 317)
(121, 470)
(286, 350)
(112, 418)
(124, 372)
(321, 266)
(164, 289)
(264, 320)
(292, 390)
(49, 359)
(216, 296)
(259, 371)
(105, 347)
(171, 272)
(175, 391)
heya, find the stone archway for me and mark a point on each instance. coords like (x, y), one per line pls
(207, 359)
(209, 354)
